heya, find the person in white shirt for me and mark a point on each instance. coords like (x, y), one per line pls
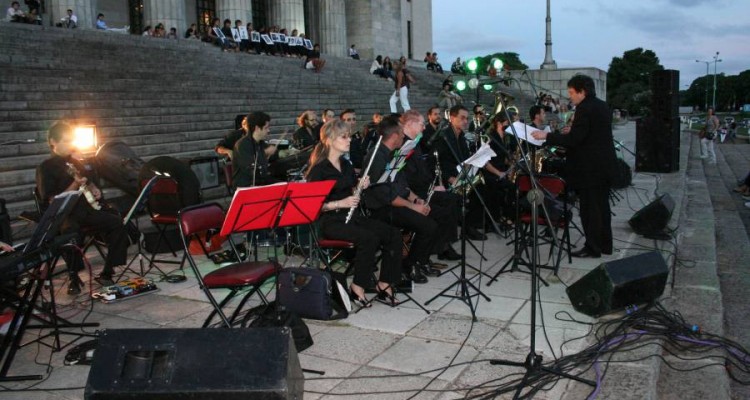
(14, 13)
(353, 53)
(71, 21)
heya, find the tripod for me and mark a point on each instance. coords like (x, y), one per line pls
(533, 363)
(462, 283)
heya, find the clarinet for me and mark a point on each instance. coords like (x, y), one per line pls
(360, 186)
(437, 180)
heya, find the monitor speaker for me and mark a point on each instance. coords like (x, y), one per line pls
(654, 217)
(207, 171)
(614, 285)
(198, 364)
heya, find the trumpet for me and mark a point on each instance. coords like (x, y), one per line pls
(360, 186)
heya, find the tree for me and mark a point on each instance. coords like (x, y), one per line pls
(510, 60)
(628, 80)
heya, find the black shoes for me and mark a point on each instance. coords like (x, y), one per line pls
(449, 254)
(361, 302)
(415, 274)
(585, 253)
(104, 280)
(474, 234)
(387, 298)
(74, 287)
(427, 269)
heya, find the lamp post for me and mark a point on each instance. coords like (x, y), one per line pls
(716, 60)
(707, 63)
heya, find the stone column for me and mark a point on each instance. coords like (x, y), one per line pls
(312, 20)
(332, 28)
(289, 14)
(549, 62)
(234, 10)
(171, 13)
(85, 10)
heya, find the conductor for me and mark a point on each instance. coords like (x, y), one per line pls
(591, 163)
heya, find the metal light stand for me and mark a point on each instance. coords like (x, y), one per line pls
(533, 362)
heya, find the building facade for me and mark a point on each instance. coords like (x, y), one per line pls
(388, 27)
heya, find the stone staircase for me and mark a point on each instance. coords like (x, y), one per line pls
(161, 97)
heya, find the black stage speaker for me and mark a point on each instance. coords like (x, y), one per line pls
(653, 218)
(207, 171)
(614, 285)
(658, 136)
(188, 184)
(196, 364)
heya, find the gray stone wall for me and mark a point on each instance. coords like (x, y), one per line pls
(386, 28)
(359, 27)
(115, 12)
(555, 81)
(419, 12)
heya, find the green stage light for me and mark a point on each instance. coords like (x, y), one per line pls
(473, 83)
(472, 65)
(497, 63)
(460, 85)
(487, 87)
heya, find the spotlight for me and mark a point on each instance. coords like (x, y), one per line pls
(487, 87)
(85, 138)
(497, 63)
(461, 86)
(472, 65)
(473, 83)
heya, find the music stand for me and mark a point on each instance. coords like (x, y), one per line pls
(137, 207)
(40, 250)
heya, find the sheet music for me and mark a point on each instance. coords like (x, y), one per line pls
(523, 132)
(480, 158)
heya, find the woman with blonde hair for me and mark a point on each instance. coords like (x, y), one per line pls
(327, 162)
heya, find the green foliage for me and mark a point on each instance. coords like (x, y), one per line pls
(510, 59)
(732, 91)
(628, 80)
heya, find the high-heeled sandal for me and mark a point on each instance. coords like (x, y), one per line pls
(386, 298)
(359, 301)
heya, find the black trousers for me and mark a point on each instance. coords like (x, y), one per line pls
(425, 230)
(86, 221)
(368, 235)
(596, 219)
(445, 210)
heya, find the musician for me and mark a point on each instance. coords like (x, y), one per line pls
(420, 176)
(537, 116)
(434, 117)
(226, 145)
(370, 132)
(453, 149)
(306, 135)
(327, 162)
(479, 118)
(504, 145)
(252, 154)
(394, 203)
(591, 163)
(355, 150)
(61, 173)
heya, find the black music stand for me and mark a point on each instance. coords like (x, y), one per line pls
(463, 283)
(41, 254)
(138, 206)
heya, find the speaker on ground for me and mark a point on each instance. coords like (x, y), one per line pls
(614, 285)
(198, 364)
(652, 219)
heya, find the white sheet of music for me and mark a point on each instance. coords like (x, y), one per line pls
(523, 132)
(480, 158)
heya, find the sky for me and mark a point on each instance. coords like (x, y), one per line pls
(589, 33)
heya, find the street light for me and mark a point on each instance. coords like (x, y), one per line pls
(707, 62)
(716, 60)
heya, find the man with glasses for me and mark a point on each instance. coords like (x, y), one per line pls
(394, 203)
(306, 135)
(355, 148)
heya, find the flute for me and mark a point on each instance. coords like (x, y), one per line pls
(360, 188)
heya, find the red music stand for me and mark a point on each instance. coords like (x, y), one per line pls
(275, 206)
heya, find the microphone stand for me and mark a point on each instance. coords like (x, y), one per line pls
(533, 364)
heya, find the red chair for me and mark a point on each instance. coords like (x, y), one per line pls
(201, 221)
(164, 204)
(554, 187)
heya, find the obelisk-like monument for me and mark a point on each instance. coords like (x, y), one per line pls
(549, 62)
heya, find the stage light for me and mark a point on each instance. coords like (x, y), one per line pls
(487, 87)
(85, 138)
(472, 65)
(497, 63)
(473, 83)
(461, 86)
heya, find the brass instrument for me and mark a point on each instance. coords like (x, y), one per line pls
(438, 181)
(360, 186)
(463, 188)
(513, 170)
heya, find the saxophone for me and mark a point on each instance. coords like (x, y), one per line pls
(513, 170)
(438, 179)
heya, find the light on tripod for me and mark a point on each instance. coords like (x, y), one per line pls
(473, 83)
(461, 86)
(497, 63)
(84, 138)
(472, 65)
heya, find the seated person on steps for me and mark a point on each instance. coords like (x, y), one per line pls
(61, 173)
